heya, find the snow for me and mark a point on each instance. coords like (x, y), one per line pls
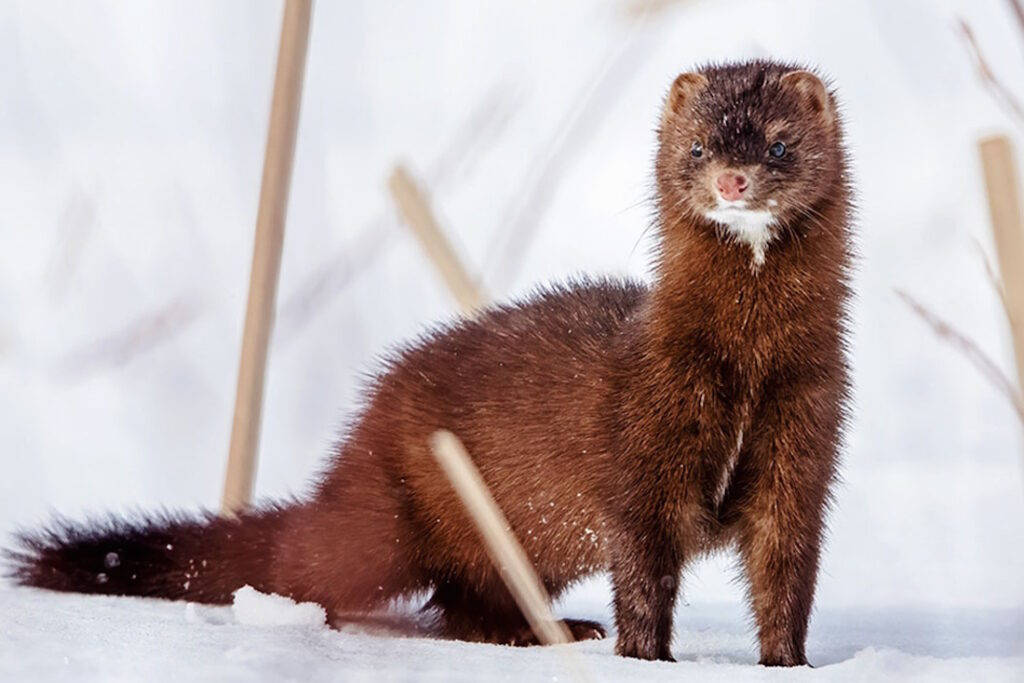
(131, 136)
(101, 638)
(253, 608)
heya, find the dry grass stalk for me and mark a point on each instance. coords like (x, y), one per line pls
(415, 207)
(1000, 92)
(505, 551)
(327, 280)
(266, 260)
(1017, 7)
(1007, 213)
(140, 336)
(969, 348)
(482, 127)
(594, 101)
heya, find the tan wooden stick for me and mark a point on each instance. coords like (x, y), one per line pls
(266, 257)
(1004, 202)
(502, 547)
(504, 550)
(415, 208)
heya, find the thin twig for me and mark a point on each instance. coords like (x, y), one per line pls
(970, 349)
(595, 101)
(1003, 96)
(331, 277)
(140, 336)
(1018, 11)
(483, 126)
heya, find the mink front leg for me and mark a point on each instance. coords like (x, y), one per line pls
(792, 454)
(645, 571)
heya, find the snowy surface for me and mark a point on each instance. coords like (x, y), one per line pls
(101, 638)
(252, 608)
(130, 143)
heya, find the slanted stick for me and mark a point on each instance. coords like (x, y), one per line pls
(1002, 185)
(266, 259)
(416, 210)
(504, 549)
(505, 552)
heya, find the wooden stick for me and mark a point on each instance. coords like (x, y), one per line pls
(504, 549)
(1005, 208)
(415, 208)
(266, 257)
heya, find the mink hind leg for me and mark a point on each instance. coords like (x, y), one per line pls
(489, 614)
(351, 549)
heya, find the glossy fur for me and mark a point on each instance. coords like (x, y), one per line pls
(620, 427)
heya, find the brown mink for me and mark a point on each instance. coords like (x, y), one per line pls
(620, 427)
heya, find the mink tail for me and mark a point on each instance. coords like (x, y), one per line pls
(201, 558)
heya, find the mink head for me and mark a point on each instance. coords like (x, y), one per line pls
(750, 151)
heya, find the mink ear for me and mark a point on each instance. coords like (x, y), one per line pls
(683, 90)
(812, 92)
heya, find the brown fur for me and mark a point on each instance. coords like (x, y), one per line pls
(620, 428)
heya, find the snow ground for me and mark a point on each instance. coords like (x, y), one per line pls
(130, 143)
(101, 638)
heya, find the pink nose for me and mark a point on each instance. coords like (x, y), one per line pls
(731, 185)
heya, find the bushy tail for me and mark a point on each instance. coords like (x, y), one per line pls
(203, 559)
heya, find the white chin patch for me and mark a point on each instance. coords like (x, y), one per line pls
(752, 227)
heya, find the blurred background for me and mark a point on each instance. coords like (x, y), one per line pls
(131, 143)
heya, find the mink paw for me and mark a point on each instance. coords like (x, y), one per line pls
(784, 661)
(581, 629)
(638, 649)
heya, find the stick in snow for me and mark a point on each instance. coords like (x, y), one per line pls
(505, 552)
(266, 258)
(1007, 214)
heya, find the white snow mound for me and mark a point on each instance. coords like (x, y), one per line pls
(254, 608)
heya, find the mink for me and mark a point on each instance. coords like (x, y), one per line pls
(622, 428)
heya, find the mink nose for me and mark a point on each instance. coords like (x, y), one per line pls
(731, 185)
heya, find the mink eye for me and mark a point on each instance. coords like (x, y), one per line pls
(697, 149)
(777, 150)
